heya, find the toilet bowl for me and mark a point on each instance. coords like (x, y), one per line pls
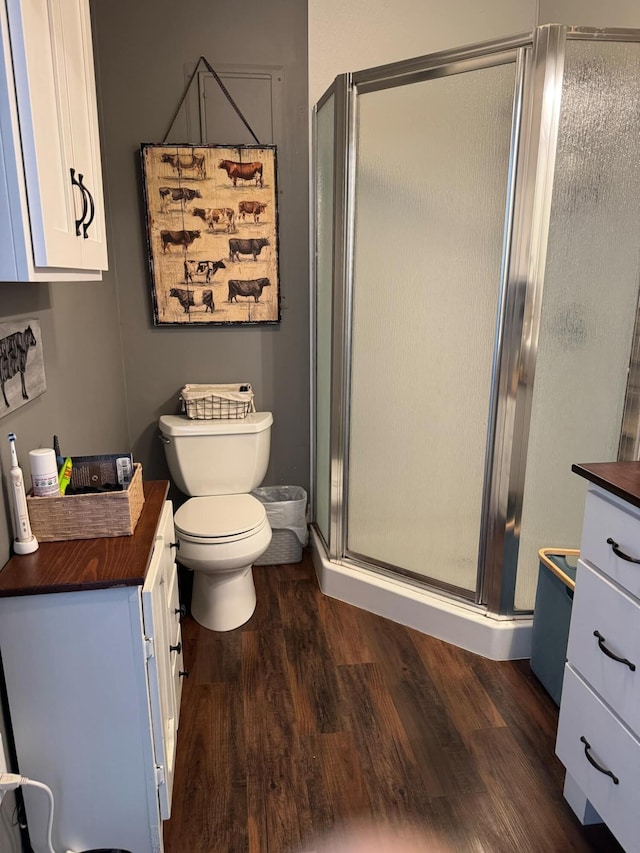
(222, 529)
(220, 538)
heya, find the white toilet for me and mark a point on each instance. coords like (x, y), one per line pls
(222, 529)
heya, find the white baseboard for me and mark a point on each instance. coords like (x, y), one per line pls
(401, 601)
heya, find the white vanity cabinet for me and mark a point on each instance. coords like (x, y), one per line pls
(599, 725)
(52, 224)
(93, 679)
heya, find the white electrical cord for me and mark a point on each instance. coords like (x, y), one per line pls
(11, 781)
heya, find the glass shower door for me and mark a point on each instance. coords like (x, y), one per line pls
(431, 194)
(590, 296)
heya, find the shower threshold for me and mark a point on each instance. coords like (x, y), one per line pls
(459, 623)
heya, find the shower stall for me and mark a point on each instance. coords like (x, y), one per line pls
(477, 271)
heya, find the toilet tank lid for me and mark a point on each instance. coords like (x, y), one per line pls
(182, 425)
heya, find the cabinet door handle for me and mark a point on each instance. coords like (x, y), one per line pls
(616, 550)
(610, 654)
(184, 673)
(77, 182)
(177, 648)
(180, 610)
(175, 545)
(594, 763)
(85, 226)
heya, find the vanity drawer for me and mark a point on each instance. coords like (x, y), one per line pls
(603, 520)
(612, 746)
(598, 605)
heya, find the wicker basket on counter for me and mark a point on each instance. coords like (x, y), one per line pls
(90, 516)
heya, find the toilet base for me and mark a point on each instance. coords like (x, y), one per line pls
(223, 601)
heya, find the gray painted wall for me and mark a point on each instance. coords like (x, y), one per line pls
(109, 372)
(84, 401)
(143, 52)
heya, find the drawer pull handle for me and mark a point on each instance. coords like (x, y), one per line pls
(594, 763)
(616, 550)
(177, 648)
(610, 654)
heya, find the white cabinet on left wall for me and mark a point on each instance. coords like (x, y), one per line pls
(52, 224)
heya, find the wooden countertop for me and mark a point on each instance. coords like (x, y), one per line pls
(80, 564)
(619, 478)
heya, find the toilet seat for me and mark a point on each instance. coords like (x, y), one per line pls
(220, 519)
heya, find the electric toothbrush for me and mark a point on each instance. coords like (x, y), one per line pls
(25, 542)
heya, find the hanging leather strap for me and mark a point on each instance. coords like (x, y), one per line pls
(224, 92)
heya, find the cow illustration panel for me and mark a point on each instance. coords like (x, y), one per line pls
(21, 364)
(212, 231)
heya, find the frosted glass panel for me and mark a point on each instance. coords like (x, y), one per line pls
(431, 185)
(324, 273)
(590, 296)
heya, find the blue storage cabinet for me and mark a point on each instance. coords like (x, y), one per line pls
(552, 616)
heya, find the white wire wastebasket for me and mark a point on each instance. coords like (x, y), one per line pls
(286, 508)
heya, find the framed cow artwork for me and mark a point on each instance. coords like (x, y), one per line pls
(212, 233)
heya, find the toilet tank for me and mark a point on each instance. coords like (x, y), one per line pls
(217, 457)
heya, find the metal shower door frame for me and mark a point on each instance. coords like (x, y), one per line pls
(539, 59)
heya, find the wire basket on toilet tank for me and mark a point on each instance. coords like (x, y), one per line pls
(217, 402)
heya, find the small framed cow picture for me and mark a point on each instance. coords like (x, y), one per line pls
(212, 231)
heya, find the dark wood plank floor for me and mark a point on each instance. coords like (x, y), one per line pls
(315, 714)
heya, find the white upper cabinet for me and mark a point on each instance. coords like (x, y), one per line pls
(52, 223)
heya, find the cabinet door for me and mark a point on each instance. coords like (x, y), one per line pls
(78, 697)
(55, 89)
(156, 634)
(174, 612)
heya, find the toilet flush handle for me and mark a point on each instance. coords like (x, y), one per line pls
(163, 438)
